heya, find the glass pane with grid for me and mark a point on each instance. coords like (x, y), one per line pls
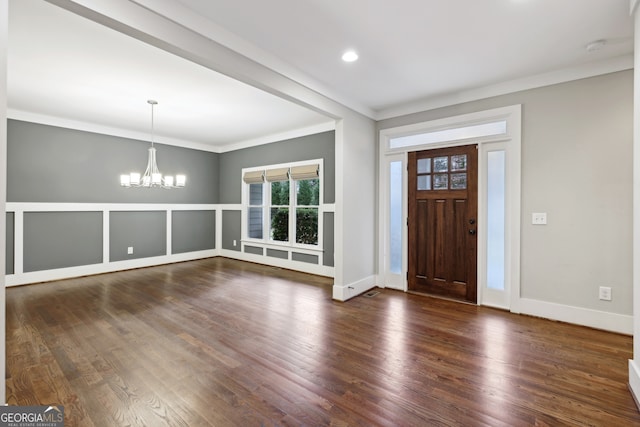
(307, 207)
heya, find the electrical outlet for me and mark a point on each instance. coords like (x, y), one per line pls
(235, 243)
(605, 293)
(539, 218)
(130, 250)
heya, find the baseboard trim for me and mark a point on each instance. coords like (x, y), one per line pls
(304, 267)
(110, 267)
(346, 292)
(634, 381)
(622, 324)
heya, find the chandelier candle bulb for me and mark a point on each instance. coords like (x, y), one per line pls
(134, 178)
(181, 180)
(168, 180)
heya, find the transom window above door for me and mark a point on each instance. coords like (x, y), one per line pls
(442, 173)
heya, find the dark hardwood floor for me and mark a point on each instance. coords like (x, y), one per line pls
(225, 343)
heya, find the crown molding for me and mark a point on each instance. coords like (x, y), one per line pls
(294, 133)
(44, 119)
(619, 63)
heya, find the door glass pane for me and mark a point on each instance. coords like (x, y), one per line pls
(440, 181)
(424, 165)
(459, 162)
(424, 182)
(441, 164)
(495, 219)
(395, 216)
(458, 181)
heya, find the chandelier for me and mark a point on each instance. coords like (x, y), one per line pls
(152, 177)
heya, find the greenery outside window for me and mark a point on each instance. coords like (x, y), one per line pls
(279, 224)
(307, 207)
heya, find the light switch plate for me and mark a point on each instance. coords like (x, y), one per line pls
(539, 218)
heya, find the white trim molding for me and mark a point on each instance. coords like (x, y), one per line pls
(350, 290)
(43, 119)
(19, 277)
(295, 133)
(87, 270)
(634, 380)
(304, 267)
(592, 69)
(619, 323)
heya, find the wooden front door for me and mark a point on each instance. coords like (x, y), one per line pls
(443, 206)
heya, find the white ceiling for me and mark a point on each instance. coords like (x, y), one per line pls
(66, 67)
(411, 51)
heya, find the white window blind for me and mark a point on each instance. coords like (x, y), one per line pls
(304, 172)
(254, 177)
(280, 174)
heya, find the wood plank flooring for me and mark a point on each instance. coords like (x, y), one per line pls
(218, 342)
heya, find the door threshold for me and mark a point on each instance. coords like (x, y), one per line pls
(426, 294)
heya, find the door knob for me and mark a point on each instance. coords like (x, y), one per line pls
(472, 232)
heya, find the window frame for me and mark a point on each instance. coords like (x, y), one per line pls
(266, 242)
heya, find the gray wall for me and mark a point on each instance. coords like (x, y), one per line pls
(58, 165)
(328, 235)
(61, 239)
(577, 167)
(193, 231)
(10, 242)
(231, 230)
(255, 250)
(53, 164)
(318, 146)
(145, 231)
(312, 259)
(274, 253)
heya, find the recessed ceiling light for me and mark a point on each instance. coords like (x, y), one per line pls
(350, 56)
